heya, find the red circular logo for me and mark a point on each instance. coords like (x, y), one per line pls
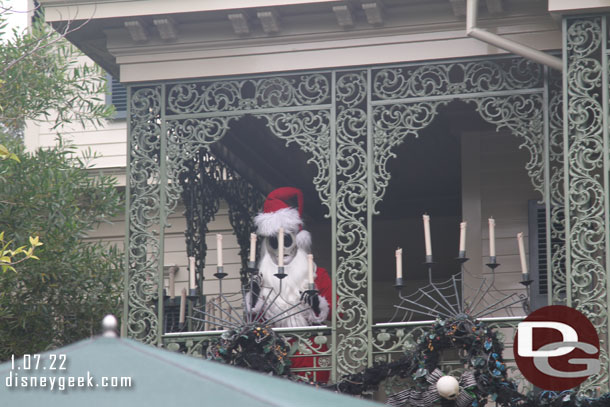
(556, 348)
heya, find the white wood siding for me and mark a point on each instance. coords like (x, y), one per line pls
(175, 249)
(108, 141)
(494, 175)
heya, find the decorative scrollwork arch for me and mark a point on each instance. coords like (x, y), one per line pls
(339, 119)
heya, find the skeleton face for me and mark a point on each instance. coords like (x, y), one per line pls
(290, 247)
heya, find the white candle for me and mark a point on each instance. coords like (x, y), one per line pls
(463, 237)
(252, 247)
(182, 305)
(310, 267)
(522, 253)
(427, 235)
(398, 263)
(492, 237)
(192, 280)
(219, 250)
(172, 282)
(280, 248)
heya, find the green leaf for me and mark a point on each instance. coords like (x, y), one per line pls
(34, 241)
(18, 250)
(80, 280)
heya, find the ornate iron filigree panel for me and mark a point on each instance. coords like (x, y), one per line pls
(520, 114)
(555, 202)
(143, 216)
(238, 95)
(586, 176)
(523, 116)
(310, 130)
(506, 93)
(426, 80)
(393, 123)
(351, 219)
(185, 138)
(348, 122)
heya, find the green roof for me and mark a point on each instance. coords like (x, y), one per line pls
(158, 377)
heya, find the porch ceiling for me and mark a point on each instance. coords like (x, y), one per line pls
(127, 32)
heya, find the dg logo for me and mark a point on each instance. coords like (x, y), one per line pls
(556, 348)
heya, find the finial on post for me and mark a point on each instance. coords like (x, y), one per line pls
(110, 326)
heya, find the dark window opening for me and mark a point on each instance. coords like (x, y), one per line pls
(539, 266)
(117, 96)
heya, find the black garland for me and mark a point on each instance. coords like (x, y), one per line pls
(258, 347)
(252, 346)
(480, 351)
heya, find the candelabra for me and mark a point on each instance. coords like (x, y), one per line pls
(172, 309)
(446, 300)
(225, 314)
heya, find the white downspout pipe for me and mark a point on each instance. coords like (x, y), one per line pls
(516, 48)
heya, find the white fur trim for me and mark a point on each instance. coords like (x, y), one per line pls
(304, 240)
(324, 308)
(292, 287)
(268, 224)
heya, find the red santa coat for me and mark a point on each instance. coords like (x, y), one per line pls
(293, 286)
(301, 360)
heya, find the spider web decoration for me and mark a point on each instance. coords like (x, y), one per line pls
(444, 299)
(233, 311)
(248, 339)
(489, 299)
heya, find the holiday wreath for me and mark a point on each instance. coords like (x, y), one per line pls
(258, 347)
(485, 376)
(253, 346)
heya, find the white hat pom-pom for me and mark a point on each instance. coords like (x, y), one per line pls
(304, 240)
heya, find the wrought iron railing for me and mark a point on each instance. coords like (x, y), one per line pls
(390, 341)
(309, 341)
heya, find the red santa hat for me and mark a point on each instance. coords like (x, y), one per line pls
(278, 213)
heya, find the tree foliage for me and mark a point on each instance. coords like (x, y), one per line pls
(63, 297)
(44, 77)
(9, 256)
(50, 197)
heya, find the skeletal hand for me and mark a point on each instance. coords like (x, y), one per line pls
(312, 299)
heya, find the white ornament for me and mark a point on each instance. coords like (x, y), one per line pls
(448, 387)
(110, 326)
